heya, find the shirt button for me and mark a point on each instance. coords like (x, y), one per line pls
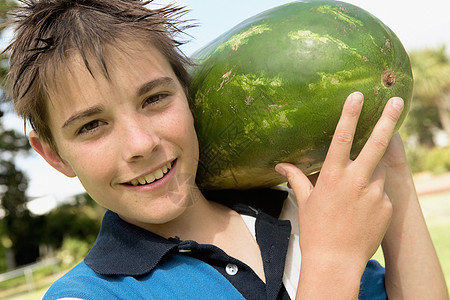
(231, 269)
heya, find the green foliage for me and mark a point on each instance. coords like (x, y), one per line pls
(12, 141)
(70, 221)
(18, 224)
(5, 7)
(79, 221)
(72, 251)
(3, 70)
(435, 160)
(4, 243)
(431, 99)
(421, 123)
(431, 68)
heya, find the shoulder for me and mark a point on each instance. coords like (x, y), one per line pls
(79, 283)
(162, 283)
(83, 283)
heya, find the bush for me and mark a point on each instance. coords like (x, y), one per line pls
(438, 160)
(72, 251)
(435, 160)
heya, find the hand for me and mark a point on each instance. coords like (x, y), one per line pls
(344, 217)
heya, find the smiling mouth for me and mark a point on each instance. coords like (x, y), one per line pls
(150, 178)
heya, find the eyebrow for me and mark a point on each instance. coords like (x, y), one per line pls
(150, 85)
(142, 90)
(84, 114)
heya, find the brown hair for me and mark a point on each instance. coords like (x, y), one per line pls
(47, 30)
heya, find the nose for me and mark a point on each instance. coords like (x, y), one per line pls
(140, 139)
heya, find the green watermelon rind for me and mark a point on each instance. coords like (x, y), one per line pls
(253, 87)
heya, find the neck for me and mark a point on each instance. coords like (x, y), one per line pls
(201, 221)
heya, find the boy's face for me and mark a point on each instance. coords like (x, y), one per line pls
(115, 133)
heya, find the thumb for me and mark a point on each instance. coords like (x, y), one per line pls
(297, 180)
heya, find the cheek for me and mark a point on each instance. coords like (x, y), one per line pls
(180, 122)
(188, 131)
(194, 143)
(92, 165)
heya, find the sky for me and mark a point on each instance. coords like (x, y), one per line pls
(418, 24)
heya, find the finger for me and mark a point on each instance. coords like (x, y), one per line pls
(339, 152)
(378, 141)
(298, 181)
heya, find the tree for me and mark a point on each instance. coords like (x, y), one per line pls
(79, 220)
(18, 223)
(422, 123)
(5, 6)
(431, 106)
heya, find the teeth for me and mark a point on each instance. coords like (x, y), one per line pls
(150, 178)
(158, 174)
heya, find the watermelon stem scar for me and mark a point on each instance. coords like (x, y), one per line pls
(388, 78)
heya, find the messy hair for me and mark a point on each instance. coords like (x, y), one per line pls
(47, 30)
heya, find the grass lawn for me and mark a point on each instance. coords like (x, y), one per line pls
(436, 209)
(36, 295)
(20, 292)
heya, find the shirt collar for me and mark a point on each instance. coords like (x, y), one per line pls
(125, 249)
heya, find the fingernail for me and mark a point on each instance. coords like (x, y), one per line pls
(397, 103)
(280, 170)
(357, 97)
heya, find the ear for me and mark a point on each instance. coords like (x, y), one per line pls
(44, 149)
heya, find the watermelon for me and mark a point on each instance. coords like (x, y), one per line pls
(272, 89)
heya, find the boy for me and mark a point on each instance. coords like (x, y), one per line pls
(104, 87)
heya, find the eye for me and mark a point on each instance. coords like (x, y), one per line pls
(154, 99)
(89, 127)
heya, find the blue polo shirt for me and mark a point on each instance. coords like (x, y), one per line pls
(128, 262)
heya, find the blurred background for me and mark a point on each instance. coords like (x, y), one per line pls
(48, 223)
